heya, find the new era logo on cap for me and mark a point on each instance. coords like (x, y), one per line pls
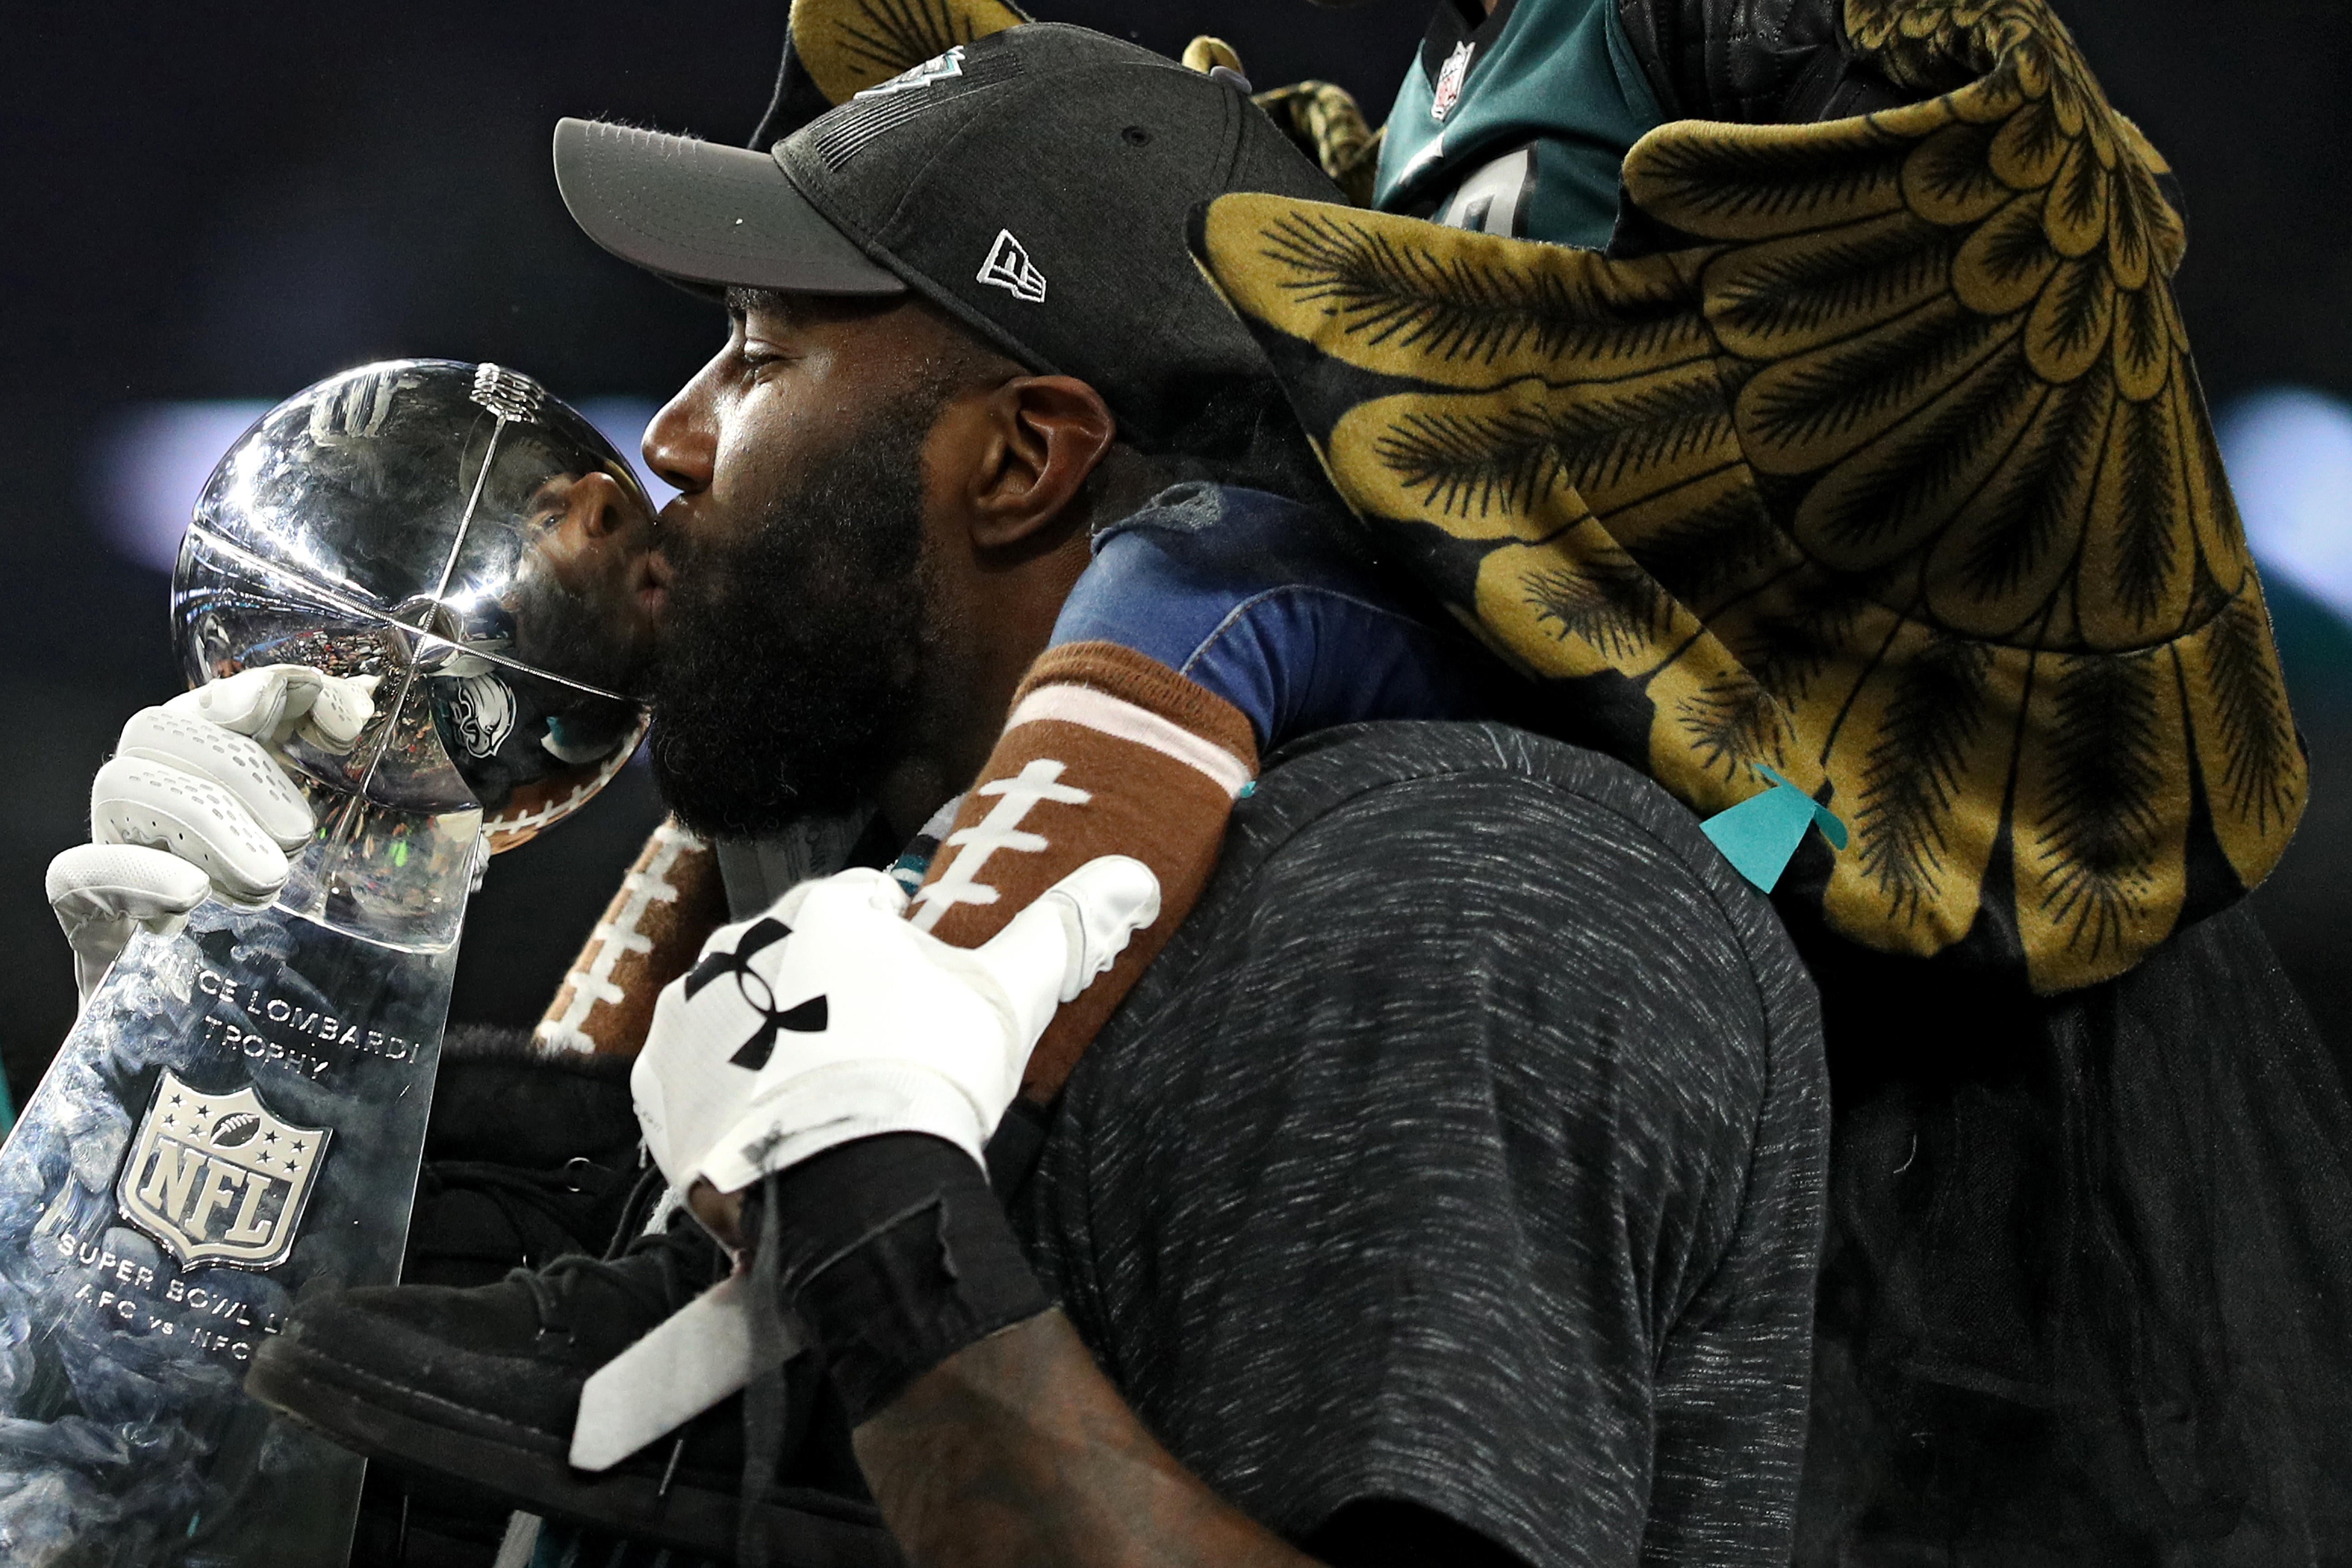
(1008, 268)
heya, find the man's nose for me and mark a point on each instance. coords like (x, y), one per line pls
(678, 445)
(597, 506)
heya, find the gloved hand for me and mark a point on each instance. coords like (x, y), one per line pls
(194, 803)
(831, 1018)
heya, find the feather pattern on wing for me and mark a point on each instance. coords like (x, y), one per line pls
(1896, 477)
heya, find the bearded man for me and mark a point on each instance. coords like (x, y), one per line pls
(1451, 1183)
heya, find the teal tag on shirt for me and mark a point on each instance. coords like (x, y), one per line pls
(1760, 834)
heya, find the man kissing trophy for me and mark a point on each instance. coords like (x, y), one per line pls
(412, 609)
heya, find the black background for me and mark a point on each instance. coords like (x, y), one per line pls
(216, 200)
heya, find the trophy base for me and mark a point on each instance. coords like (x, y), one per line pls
(236, 1122)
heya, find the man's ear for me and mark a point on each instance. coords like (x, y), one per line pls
(1045, 434)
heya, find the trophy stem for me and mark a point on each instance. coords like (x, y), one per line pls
(237, 1120)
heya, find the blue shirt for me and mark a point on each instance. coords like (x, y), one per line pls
(1253, 596)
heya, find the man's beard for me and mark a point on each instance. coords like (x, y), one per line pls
(791, 663)
(569, 634)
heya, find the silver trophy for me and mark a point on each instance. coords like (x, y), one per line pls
(238, 1119)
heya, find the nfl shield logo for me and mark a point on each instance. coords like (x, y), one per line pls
(217, 1178)
(1448, 91)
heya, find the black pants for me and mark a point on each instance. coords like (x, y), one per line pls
(2087, 1293)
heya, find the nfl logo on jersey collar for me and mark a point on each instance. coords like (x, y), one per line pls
(1448, 89)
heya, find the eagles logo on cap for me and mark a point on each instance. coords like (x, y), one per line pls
(936, 68)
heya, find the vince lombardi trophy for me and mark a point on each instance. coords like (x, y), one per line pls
(238, 1117)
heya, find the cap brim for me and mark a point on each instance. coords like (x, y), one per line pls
(705, 214)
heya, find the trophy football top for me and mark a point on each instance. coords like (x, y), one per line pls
(468, 539)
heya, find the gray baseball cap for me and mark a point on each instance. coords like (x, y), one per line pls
(1035, 183)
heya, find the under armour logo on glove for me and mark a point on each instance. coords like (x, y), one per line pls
(805, 1017)
(889, 1030)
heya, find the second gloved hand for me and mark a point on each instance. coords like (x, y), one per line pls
(831, 1018)
(194, 803)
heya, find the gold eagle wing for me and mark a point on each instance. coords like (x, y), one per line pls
(1886, 467)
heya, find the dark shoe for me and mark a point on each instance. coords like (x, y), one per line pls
(528, 1155)
(480, 1387)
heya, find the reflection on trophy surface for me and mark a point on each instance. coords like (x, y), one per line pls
(238, 1116)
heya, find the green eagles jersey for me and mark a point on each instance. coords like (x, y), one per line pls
(1517, 125)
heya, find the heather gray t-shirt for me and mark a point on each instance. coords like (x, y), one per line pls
(1463, 1151)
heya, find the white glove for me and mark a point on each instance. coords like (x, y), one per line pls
(192, 804)
(832, 1018)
